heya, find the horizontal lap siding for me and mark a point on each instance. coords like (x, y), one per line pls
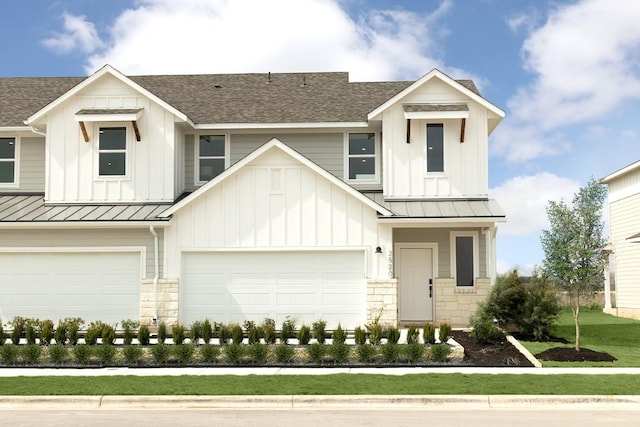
(625, 223)
(32, 164)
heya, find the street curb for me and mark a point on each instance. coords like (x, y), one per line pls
(318, 402)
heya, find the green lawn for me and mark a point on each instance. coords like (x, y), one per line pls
(617, 336)
(325, 385)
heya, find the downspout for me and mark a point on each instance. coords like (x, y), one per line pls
(155, 273)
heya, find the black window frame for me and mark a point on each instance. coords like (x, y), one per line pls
(465, 260)
(8, 158)
(108, 152)
(434, 147)
(200, 158)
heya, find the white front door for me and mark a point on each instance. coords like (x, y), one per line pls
(415, 283)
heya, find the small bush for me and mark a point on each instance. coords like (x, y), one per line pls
(440, 352)
(340, 352)
(339, 335)
(507, 299)
(390, 352)
(184, 353)
(92, 335)
(108, 335)
(234, 353)
(46, 332)
(106, 353)
(128, 328)
(160, 353)
(57, 354)
(207, 331)
(304, 335)
(224, 334)
(132, 354)
(316, 352)
(484, 328)
(393, 335)
(269, 334)
(375, 334)
(429, 333)
(195, 333)
(60, 335)
(413, 352)
(3, 337)
(30, 333)
(413, 335)
(209, 353)
(366, 352)
(258, 353)
(360, 335)
(254, 334)
(144, 335)
(82, 353)
(541, 308)
(284, 353)
(445, 332)
(73, 325)
(17, 329)
(162, 333)
(178, 333)
(237, 334)
(319, 332)
(31, 353)
(9, 354)
(287, 330)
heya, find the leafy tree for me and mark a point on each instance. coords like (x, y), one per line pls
(573, 246)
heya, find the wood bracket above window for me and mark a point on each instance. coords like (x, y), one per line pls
(136, 130)
(85, 135)
(462, 126)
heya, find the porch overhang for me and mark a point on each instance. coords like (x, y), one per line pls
(436, 111)
(109, 115)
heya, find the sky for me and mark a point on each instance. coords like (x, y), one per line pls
(567, 72)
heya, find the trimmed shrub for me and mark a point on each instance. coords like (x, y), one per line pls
(340, 352)
(506, 300)
(258, 353)
(30, 333)
(319, 332)
(73, 325)
(390, 352)
(237, 334)
(9, 354)
(304, 335)
(92, 334)
(287, 330)
(339, 335)
(393, 335)
(254, 334)
(209, 353)
(316, 352)
(82, 353)
(413, 335)
(17, 329)
(366, 353)
(429, 333)
(375, 334)
(46, 332)
(360, 335)
(57, 354)
(413, 352)
(60, 335)
(444, 332)
(128, 328)
(484, 328)
(106, 354)
(234, 353)
(108, 335)
(132, 354)
(144, 335)
(269, 333)
(440, 352)
(160, 353)
(284, 353)
(224, 334)
(195, 333)
(31, 353)
(3, 337)
(207, 331)
(184, 353)
(162, 333)
(178, 333)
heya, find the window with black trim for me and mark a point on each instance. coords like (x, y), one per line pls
(435, 147)
(464, 261)
(211, 156)
(112, 151)
(362, 156)
(7, 160)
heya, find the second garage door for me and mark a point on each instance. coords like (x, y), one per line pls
(306, 286)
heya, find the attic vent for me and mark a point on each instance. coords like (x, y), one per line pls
(218, 86)
(275, 183)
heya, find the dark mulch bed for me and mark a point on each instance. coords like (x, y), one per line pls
(566, 354)
(499, 353)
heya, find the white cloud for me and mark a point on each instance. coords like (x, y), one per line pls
(585, 62)
(79, 34)
(524, 199)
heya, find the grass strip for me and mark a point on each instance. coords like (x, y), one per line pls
(335, 384)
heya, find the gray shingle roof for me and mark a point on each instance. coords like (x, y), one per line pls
(227, 98)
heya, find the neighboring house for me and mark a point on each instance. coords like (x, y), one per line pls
(245, 196)
(624, 219)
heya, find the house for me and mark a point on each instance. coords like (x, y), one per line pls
(624, 219)
(239, 197)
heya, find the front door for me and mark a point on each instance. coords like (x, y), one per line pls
(415, 283)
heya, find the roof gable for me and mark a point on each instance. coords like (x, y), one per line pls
(275, 144)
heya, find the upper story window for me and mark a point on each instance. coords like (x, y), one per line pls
(464, 256)
(112, 151)
(362, 155)
(7, 161)
(212, 155)
(435, 147)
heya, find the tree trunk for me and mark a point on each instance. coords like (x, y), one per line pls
(576, 318)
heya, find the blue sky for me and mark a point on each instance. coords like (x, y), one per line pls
(566, 71)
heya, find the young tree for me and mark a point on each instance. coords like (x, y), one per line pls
(574, 261)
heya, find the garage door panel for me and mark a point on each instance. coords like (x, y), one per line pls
(306, 286)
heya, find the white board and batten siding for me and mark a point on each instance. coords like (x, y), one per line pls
(72, 166)
(466, 164)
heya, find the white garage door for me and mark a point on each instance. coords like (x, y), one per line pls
(307, 286)
(92, 286)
